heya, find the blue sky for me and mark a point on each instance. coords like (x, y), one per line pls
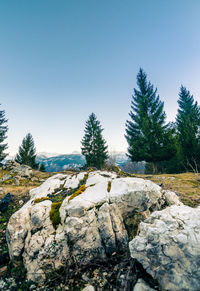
(61, 60)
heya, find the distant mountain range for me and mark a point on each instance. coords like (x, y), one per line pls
(57, 162)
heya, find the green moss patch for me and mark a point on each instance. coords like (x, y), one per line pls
(38, 200)
(78, 192)
(58, 198)
(109, 186)
(55, 214)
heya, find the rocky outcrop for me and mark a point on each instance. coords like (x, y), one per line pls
(168, 247)
(77, 219)
(16, 171)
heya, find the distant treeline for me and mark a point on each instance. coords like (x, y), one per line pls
(165, 147)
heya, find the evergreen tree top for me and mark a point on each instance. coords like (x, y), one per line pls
(146, 108)
(187, 105)
(27, 152)
(94, 147)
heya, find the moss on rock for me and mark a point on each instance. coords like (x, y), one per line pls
(38, 200)
(109, 186)
(78, 192)
(55, 214)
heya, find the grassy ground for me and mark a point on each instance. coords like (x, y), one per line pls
(25, 184)
(186, 186)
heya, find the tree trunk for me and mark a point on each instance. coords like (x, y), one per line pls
(155, 167)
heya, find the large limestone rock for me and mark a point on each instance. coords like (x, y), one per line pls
(168, 247)
(92, 224)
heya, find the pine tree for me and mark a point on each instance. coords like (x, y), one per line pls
(149, 138)
(27, 152)
(42, 168)
(94, 147)
(3, 131)
(188, 126)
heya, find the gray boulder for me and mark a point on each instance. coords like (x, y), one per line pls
(168, 247)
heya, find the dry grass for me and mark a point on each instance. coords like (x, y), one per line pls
(186, 186)
(25, 184)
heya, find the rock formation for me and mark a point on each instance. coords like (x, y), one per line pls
(74, 220)
(79, 218)
(168, 247)
(16, 172)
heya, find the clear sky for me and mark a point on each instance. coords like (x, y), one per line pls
(61, 60)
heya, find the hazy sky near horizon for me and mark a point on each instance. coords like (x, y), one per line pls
(61, 60)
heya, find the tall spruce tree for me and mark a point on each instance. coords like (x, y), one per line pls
(149, 138)
(27, 152)
(3, 131)
(188, 127)
(94, 146)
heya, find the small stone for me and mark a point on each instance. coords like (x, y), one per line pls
(34, 179)
(17, 183)
(88, 288)
(105, 273)
(6, 177)
(141, 285)
(85, 278)
(2, 285)
(21, 202)
(2, 191)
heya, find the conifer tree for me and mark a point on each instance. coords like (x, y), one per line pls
(3, 131)
(94, 147)
(27, 152)
(149, 138)
(42, 168)
(188, 126)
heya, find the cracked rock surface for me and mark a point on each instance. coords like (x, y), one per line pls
(168, 247)
(92, 224)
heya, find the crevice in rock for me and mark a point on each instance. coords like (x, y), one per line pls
(132, 222)
(34, 231)
(142, 273)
